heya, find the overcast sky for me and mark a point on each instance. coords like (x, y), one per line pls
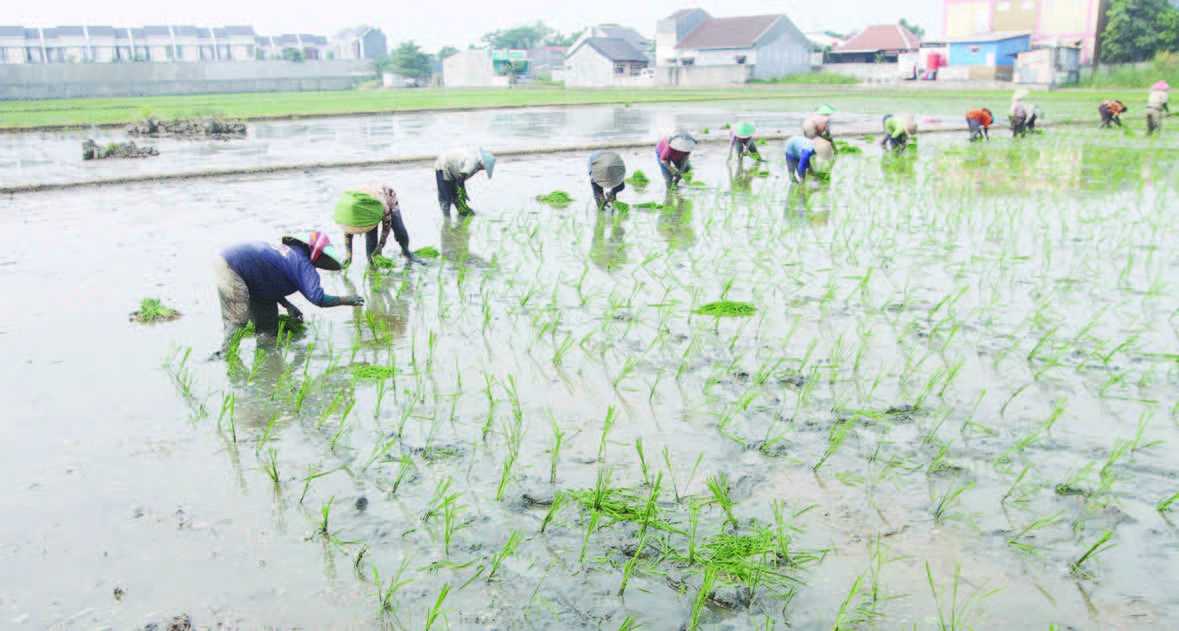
(456, 22)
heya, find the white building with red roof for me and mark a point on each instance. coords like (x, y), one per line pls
(877, 43)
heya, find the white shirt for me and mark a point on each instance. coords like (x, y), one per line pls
(458, 164)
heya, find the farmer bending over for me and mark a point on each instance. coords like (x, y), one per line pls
(898, 130)
(254, 278)
(674, 154)
(741, 141)
(804, 155)
(1156, 107)
(607, 172)
(818, 125)
(1111, 112)
(1023, 115)
(980, 122)
(452, 170)
(362, 210)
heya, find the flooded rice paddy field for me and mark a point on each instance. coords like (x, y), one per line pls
(55, 156)
(954, 406)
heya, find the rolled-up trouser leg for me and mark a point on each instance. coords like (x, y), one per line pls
(975, 129)
(264, 313)
(791, 166)
(370, 242)
(234, 296)
(446, 197)
(1154, 120)
(599, 195)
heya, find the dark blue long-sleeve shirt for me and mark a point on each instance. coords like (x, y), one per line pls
(273, 272)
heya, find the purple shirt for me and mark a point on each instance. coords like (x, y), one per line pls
(273, 272)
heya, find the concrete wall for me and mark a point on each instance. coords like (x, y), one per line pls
(47, 81)
(471, 69)
(702, 76)
(587, 68)
(868, 73)
(785, 51)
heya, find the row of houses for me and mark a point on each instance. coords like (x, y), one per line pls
(179, 43)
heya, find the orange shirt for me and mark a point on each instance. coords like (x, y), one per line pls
(981, 116)
(1114, 107)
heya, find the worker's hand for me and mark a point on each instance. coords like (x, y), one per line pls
(295, 314)
(352, 301)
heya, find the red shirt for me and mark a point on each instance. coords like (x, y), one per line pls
(982, 117)
(667, 154)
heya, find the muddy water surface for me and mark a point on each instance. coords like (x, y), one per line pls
(962, 361)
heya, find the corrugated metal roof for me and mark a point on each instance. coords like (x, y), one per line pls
(156, 30)
(739, 32)
(881, 37)
(12, 31)
(240, 30)
(68, 31)
(615, 49)
(101, 31)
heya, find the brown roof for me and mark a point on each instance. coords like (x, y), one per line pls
(742, 32)
(881, 37)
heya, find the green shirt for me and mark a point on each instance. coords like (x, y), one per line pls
(359, 209)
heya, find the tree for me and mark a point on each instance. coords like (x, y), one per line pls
(913, 28)
(519, 37)
(446, 51)
(1136, 30)
(557, 39)
(408, 60)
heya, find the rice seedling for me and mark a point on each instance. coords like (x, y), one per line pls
(508, 550)
(638, 180)
(554, 452)
(1016, 540)
(405, 466)
(152, 310)
(1077, 567)
(948, 500)
(556, 199)
(387, 592)
(706, 584)
(436, 610)
(607, 425)
(271, 468)
(1165, 505)
(718, 486)
(629, 624)
(428, 252)
(325, 513)
(726, 309)
(955, 616)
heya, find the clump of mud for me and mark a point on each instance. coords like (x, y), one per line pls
(115, 150)
(188, 128)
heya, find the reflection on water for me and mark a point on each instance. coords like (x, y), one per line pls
(675, 222)
(608, 251)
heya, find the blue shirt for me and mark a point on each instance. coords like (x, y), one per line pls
(801, 150)
(273, 272)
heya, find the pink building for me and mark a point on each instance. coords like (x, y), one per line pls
(1051, 22)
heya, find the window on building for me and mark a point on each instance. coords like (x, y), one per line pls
(740, 60)
(688, 61)
(636, 70)
(975, 49)
(619, 68)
